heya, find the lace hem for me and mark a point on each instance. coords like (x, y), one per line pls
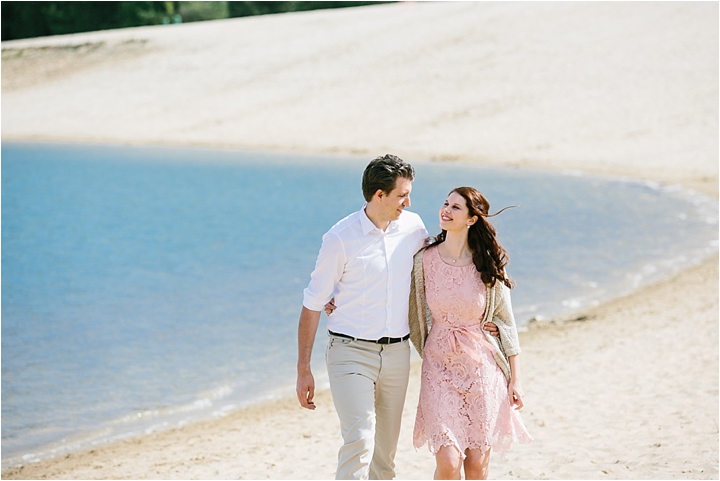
(499, 444)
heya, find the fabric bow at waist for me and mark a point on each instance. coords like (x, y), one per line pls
(458, 335)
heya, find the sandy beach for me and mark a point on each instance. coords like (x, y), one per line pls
(626, 390)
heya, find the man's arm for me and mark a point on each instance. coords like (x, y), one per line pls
(307, 329)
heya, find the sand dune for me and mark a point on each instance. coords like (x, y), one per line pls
(595, 86)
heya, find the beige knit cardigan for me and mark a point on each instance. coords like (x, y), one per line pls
(498, 310)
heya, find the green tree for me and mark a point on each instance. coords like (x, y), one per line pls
(200, 11)
(244, 9)
(35, 19)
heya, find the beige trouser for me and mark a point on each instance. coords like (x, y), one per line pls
(368, 382)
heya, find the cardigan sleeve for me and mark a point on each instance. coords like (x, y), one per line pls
(504, 319)
(418, 316)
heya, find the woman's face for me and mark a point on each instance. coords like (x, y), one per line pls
(454, 214)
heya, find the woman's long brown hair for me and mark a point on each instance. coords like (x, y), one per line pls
(489, 257)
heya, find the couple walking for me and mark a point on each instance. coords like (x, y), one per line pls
(451, 299)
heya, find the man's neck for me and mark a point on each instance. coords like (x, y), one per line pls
(375, 217)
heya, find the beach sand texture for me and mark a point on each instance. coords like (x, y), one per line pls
(626, 390)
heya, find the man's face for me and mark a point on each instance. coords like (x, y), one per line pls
(392, 204)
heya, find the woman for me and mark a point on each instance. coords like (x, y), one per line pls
(470, 389)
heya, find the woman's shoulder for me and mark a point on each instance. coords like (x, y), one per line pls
(425, 253)
(424, 249)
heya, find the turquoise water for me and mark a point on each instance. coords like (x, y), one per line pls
(146, 287)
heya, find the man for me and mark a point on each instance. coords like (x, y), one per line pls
(365, 263)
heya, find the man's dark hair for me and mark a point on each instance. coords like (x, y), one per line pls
(382, 173)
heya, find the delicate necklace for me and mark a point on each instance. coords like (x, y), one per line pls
(455, 259)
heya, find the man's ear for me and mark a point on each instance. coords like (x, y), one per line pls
(379, 194)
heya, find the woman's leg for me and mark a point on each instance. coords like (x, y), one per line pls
(448, 462)
(476, 463)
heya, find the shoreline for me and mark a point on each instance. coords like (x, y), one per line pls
(16, 467)
(10, 464)
(209, 448)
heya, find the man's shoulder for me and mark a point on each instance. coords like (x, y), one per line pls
(345, 223)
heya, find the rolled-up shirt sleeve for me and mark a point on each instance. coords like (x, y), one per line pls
(327, 273)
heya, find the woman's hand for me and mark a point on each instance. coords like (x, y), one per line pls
(330, 307)
(515, 394)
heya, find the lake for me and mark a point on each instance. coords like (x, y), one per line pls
(148, 287)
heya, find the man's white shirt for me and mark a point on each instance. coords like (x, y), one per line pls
(368, 272)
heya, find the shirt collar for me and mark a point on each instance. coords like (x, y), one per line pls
(368, 226)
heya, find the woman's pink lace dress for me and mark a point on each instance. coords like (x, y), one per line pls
(463, 394)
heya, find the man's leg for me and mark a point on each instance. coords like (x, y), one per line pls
(390, 391)
(352, 370)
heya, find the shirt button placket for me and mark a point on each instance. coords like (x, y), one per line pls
(388, 312)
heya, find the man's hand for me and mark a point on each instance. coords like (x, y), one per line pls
(492, 329)
(307, 328)
(305, 388)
